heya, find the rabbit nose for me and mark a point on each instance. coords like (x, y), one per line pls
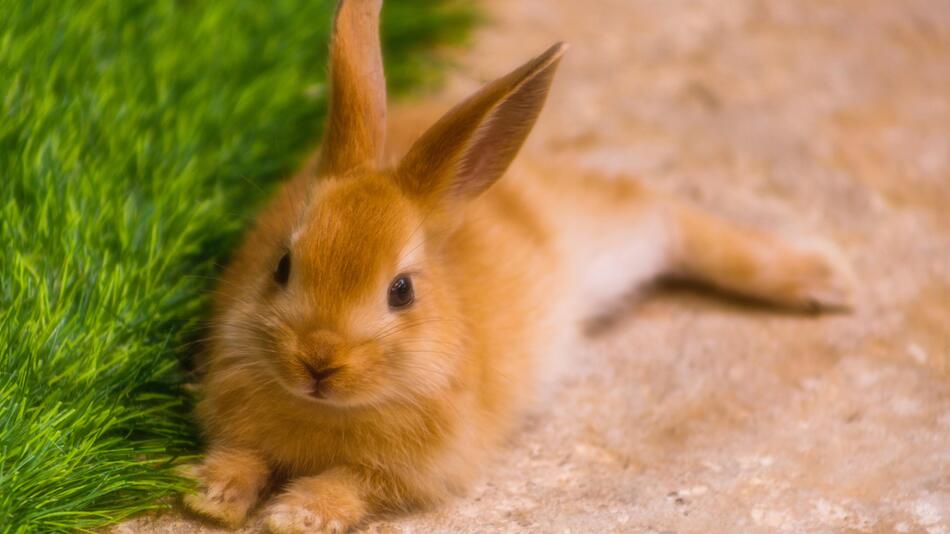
(319, 376)
(321, 349)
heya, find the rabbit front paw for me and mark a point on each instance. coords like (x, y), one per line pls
(229, 484)
(326, 504)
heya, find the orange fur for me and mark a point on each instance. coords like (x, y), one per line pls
(413, 399)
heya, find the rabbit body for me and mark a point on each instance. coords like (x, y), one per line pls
(326, 372)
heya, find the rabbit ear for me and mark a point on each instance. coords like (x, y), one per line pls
(357, 109)
(473, 144)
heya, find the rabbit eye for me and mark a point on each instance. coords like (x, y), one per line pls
(282, 273)
(400, 292)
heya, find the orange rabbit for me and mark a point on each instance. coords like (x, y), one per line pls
(381, 329)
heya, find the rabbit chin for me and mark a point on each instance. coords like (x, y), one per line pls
(337, 397)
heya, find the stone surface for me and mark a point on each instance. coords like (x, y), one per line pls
(691, 413)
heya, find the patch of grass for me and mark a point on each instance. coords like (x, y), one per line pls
(136, 137)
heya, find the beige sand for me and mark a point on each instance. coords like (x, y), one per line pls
(697, 414)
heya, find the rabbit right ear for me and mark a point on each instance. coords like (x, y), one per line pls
(357, 109)
(473, 144)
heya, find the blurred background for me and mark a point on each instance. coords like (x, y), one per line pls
(136, 135)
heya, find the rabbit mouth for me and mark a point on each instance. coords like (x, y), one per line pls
(319, 386)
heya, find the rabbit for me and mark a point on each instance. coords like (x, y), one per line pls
(382, 329)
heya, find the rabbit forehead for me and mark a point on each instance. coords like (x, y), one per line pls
(351, 238)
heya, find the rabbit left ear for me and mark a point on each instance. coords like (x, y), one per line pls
(356, 121)
(474, 143)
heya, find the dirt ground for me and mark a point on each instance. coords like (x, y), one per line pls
(692, 413)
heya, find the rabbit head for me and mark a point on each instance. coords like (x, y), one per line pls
(354, 305)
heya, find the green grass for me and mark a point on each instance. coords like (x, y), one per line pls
(136, 139)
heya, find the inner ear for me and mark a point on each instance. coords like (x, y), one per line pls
(473, 144)
(500, 136)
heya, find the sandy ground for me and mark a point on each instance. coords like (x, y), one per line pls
(693, 413)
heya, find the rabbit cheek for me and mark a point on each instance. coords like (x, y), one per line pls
(288, 366)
